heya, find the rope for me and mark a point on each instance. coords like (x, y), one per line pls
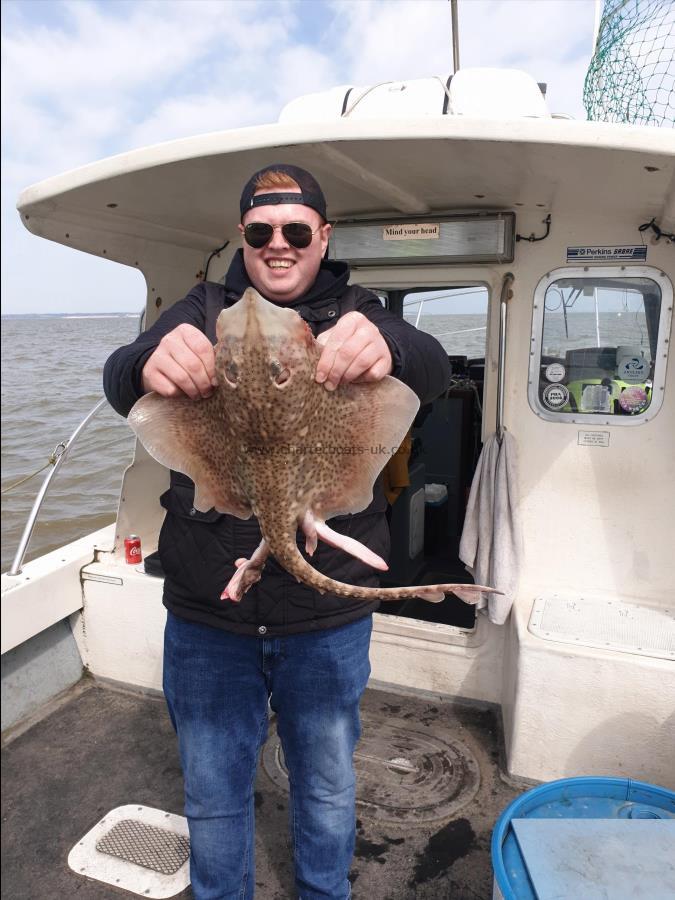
(55, 455)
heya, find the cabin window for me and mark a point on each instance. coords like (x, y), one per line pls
(456, 316)
(599, 345)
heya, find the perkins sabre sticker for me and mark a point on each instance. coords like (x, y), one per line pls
(606, 254)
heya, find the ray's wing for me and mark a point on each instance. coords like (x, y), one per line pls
(360, 426)
(188, 436)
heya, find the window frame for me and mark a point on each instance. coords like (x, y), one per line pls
(660, 362)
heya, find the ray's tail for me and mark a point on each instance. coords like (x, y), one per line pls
(291, 559)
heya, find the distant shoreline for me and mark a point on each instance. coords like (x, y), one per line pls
(72, 315)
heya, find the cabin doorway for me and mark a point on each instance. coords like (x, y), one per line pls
(427, 517)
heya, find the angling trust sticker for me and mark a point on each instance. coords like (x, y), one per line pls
(415, 231)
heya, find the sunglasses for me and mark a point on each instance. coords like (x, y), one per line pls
(297, 234)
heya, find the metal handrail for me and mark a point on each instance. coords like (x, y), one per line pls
(504, 298)
(58, 459)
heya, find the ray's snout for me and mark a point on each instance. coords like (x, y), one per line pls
(254, 317)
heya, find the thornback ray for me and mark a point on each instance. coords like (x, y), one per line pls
(182, 435)
(273, 443)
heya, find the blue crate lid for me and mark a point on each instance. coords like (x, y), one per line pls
(529, 861)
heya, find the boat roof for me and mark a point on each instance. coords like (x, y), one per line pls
(186, 192)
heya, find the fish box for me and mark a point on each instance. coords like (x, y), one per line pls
(589, 838)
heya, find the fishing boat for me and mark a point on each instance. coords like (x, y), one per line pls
(560, 234)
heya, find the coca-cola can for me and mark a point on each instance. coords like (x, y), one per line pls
(132, 549)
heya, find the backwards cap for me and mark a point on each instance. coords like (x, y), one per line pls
(310, 193)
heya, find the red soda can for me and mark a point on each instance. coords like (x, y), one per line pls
(132, 549)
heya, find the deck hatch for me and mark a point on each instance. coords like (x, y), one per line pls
(146, 845)
(410, 768)
(138, 849)
(605, 624)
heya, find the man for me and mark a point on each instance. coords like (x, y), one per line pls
(305, 653)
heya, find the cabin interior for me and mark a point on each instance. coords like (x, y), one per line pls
(427, 518)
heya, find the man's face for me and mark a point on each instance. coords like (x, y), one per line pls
(281, 272)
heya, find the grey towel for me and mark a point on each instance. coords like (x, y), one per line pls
(491, 543)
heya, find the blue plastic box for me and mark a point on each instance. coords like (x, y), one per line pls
(586, 838)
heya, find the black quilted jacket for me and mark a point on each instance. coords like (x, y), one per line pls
(197, 550)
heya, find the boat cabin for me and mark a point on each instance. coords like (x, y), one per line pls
(540, 252)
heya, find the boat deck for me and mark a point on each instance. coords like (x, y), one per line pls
(418, 837)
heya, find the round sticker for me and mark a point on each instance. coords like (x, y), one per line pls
(555, 396)
(633, 399)
(555, 372)
(632, 369)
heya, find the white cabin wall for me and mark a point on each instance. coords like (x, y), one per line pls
(597, 524)
(437, 658)
(574, 710)
(120, 631)
(575, 500)
(594, 518)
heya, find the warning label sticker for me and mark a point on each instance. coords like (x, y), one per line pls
(418, 232)
(593, 438)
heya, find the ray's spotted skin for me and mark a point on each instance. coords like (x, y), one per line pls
(273, 443)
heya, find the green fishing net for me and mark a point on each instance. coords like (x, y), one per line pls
(631, 77)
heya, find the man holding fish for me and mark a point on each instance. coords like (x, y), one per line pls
(299, 644)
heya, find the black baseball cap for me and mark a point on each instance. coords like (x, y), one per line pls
(310, 192)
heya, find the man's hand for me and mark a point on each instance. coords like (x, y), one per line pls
(353, 350)
(184, 364)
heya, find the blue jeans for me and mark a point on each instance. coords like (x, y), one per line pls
(217, 687)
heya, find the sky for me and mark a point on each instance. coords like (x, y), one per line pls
(87, 79)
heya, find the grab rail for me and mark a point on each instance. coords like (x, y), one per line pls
(504, 298)
(32, 518)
